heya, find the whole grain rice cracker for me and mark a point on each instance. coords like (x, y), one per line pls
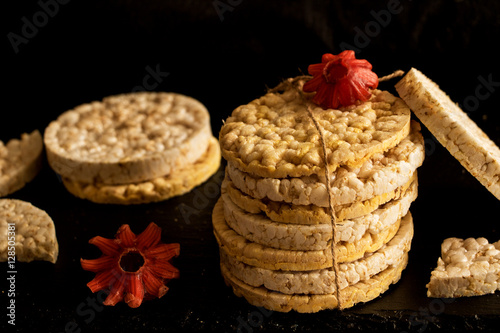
(362, 291)
(452, 128)
(20, 161)
(311, 214)
(323, 281)
(274, 135)
(34, 233)
(258, 255)
(382, 173)
(260, 229)
(128, 138)
(469, 267)
(178, 182)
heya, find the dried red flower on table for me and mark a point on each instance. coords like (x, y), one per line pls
(341, 80)
(132, 267)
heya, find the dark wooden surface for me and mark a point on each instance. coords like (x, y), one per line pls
(88, 50)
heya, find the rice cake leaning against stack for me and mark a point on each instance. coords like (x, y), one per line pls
(451, 126)
(133, 148)
(278, 246)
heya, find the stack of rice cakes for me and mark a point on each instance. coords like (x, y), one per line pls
(133, 148)
(272, 222)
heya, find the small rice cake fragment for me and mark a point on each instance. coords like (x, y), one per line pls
(469, 267)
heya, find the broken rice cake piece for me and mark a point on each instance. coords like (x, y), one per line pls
(468, 267)
(20, 161)
(35, 232)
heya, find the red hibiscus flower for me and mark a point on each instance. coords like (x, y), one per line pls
(132, 267)
(341, 80)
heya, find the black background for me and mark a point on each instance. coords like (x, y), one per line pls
(57, 57)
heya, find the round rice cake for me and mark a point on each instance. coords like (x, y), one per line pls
(35, 233)
(323, 281)
(178, 182)
(274, 135)
(362, 291)
(258, 255)
(128, 138)
(452, 128)
(311, 214)
(260, 229)
(20, 161)
(382, 173)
